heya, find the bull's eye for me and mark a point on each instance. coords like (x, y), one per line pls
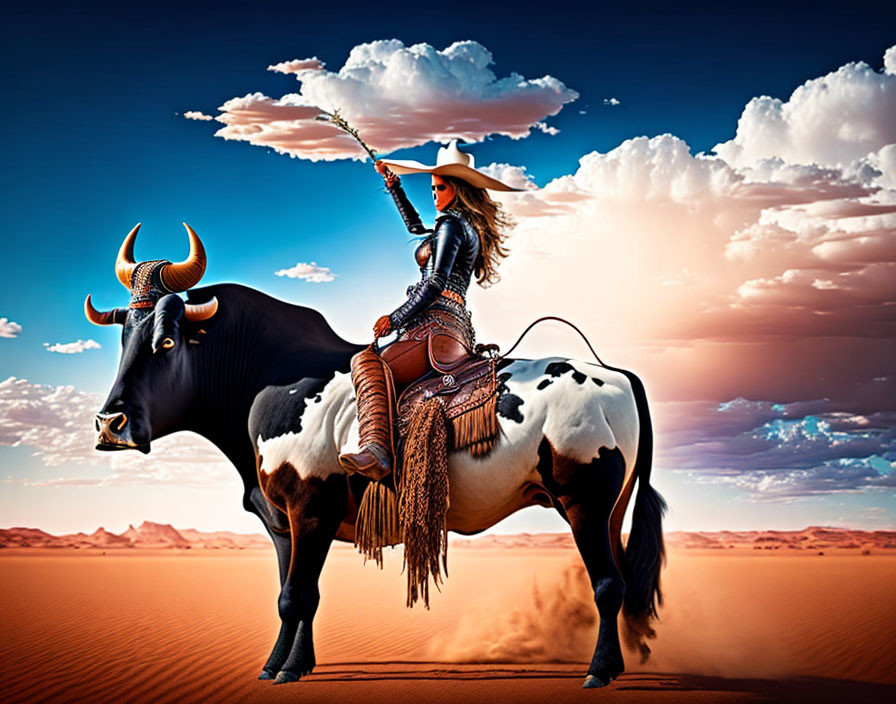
(167, 343)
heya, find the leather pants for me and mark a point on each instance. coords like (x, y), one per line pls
(438, 340)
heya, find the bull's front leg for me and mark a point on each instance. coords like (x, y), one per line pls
(315, 508)
(276, 524)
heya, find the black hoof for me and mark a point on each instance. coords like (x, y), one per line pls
(267, 675)
(593, 682)
(285, 676)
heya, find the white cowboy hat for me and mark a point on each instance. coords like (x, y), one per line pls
(450, 161)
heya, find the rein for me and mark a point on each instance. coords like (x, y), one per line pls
(562, 320)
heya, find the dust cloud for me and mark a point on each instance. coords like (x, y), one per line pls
(553, 619)
(725, 616)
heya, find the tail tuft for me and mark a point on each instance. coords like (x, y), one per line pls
(645, 555)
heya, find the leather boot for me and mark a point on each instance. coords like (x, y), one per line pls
(374, 418)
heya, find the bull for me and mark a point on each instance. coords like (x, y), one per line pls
(269, 384)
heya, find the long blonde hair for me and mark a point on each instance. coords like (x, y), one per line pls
(490, 221)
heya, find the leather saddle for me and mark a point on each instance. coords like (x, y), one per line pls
(469, 398)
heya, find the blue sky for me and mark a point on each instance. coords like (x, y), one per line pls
(95, 141)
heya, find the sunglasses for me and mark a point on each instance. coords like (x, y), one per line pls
(439, 187)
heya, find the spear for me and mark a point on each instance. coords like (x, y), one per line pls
(407, 211)
(337, 120)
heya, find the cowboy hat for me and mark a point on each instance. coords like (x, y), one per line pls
(450, 161)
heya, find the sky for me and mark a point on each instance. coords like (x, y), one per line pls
(709, 193)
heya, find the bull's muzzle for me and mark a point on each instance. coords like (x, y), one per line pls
(114, 433)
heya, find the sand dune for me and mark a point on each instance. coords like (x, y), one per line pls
(510, 624)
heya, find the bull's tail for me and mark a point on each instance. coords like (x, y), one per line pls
(645, 552)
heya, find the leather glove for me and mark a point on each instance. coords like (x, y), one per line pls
(388, 176)
(382, 327)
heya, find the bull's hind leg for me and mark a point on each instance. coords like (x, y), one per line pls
(315, 509)
(587, 493)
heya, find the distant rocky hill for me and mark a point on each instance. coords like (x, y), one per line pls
(148, 535)
(812, 538)
(165, 536)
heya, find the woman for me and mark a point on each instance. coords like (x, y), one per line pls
(433, 324)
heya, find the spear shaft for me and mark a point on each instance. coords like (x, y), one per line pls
(335, 119)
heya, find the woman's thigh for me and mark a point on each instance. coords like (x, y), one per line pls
(408, 359)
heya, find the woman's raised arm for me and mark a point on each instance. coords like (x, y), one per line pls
(405, 208)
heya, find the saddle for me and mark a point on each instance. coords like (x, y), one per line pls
(469, 398)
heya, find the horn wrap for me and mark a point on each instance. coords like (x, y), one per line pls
(186, 274)
(124, 263)
(195, 312)
(104, 317)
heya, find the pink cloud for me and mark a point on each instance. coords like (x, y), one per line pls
(760, 277)
(298, 65)
(397, 97)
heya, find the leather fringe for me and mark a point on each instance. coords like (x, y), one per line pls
(477, 429)
(377, 524)
(416, 515)
(424, 499)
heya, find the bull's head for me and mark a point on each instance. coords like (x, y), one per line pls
(150, 376)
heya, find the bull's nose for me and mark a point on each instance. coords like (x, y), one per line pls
(110, 422)
(113, 431)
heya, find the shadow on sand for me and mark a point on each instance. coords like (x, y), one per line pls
(629, 687)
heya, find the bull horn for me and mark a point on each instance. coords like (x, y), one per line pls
(195, 312)
(104, 317)
(186, 274)
(125, 264)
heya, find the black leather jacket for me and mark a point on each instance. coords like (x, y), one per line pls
(453, 251)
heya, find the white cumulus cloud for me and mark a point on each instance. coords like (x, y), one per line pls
(766, 270)
(612, 101)
(9, 329)
(57, 423)
(396, 96)
(197, 115)
(832, 120)
(72, 347)
(308, 271)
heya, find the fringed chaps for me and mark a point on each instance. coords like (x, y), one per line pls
(424, 500)
(418, 517)
(377, 524)
(430, 423)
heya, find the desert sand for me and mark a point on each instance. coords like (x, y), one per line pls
(514, 622)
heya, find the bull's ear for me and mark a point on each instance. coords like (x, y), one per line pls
(166, 326)
(116, 316)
